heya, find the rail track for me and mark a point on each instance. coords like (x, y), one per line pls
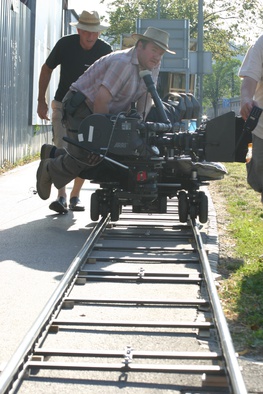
(136, 311)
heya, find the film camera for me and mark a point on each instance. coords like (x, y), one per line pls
(145, 163)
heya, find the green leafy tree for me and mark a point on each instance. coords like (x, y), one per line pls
(223, 82)
(225, 22)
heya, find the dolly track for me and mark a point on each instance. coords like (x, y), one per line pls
(137, 310)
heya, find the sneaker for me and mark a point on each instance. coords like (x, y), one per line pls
(59, 206)
(44, 181)
(75, 204)
(47, 151)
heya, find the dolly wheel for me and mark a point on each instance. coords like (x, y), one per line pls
(182, 207)
(136, 209)
(114, 209)
(203, 207)
(193, 211)
(104, 209)
(162, 202)
(94, 207)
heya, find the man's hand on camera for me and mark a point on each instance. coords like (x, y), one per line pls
(93, 159)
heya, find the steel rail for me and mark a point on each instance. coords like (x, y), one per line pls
(134, 301)
(15, 367)
(46, 352)
(232, 365)
(122, 323)
(87, 273)
(157, 368)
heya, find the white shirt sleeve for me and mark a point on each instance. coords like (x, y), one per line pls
(252, 65)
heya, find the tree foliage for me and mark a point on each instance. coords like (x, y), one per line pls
(222, 83)
(225, 22)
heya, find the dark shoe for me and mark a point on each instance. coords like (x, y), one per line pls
(47, 151)
(44, 181)
(59, 206)
(75, 204)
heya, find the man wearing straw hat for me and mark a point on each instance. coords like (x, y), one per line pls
(74, 53)
(110, 85)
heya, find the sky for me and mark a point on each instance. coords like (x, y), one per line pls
(80, 5)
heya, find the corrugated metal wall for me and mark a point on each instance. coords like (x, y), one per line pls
(18, 137)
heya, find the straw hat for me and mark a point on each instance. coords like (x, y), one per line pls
(89, 21)
(159, 37)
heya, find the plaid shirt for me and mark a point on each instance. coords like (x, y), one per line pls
(119, 73)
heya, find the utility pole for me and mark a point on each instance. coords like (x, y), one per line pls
(200, 54)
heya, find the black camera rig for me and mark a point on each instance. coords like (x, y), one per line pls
(145, 162)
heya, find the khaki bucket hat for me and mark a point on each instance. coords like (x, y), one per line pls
(158, 36)
(89, 21)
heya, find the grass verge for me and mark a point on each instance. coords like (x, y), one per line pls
(241, 265)
(7, 166)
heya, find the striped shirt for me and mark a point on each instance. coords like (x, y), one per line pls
(119, 73)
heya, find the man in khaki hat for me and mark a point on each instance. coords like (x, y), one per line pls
(74, 53)
(110, 85)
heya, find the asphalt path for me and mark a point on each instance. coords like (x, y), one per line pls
(36, 247)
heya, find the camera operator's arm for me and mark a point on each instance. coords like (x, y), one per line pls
(248, 89)
(102, 101)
